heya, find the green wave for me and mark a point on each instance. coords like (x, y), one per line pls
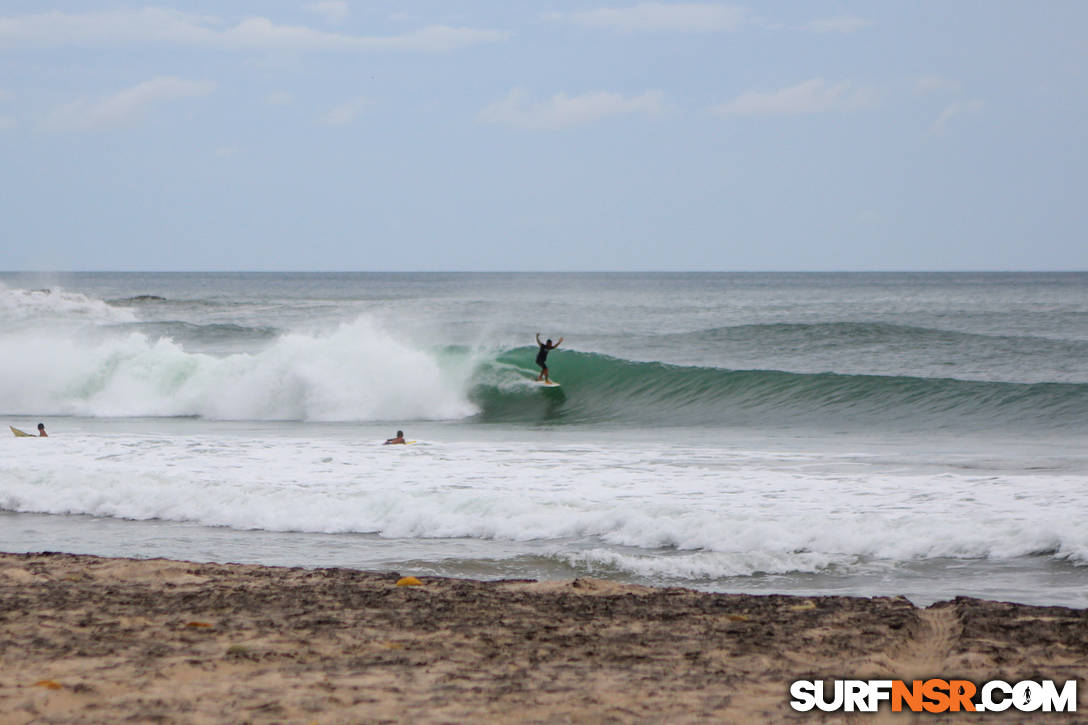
(599, 388)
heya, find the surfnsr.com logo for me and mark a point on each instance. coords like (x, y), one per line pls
(933, 695)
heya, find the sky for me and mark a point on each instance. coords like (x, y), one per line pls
(490, 135)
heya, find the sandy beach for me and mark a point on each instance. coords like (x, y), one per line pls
(95, 640)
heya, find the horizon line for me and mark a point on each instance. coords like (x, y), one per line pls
(544, 271)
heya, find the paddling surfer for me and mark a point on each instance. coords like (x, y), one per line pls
(542, 357)
(41, 431)
(398, 439)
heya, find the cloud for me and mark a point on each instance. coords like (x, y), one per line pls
(158, 26)
(435, 38)
(842, 24)
(123, 107)
(334, 11)
(279, 98)
(149, 25)
(812, 96)
(646, 17)
(935, 84)
(953, 110)
(561, 110)
(345, 113)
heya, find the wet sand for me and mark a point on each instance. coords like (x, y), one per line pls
(93, 640)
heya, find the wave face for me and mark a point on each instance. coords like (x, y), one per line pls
(602, 389)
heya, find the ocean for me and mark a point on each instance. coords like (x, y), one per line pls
(872, 434)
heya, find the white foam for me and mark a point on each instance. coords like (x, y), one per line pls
(356, 372)
(672, 512)
(52, 305)
(705, 565)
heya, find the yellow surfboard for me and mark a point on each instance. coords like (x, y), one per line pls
(19, 433)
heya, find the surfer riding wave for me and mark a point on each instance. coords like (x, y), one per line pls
(542, 357)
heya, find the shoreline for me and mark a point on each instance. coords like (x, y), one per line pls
(95, 639)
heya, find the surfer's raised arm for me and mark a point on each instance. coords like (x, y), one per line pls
(538, 342)
(558, 343)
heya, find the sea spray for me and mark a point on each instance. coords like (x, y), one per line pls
(51, 305)
(357, 372)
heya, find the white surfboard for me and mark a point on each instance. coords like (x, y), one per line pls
(543, 384)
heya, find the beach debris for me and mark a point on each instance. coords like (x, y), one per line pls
(737, 618)
(199, 625)
(48, 684)
(409, 581)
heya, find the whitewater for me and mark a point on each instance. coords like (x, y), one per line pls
(914, 434)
